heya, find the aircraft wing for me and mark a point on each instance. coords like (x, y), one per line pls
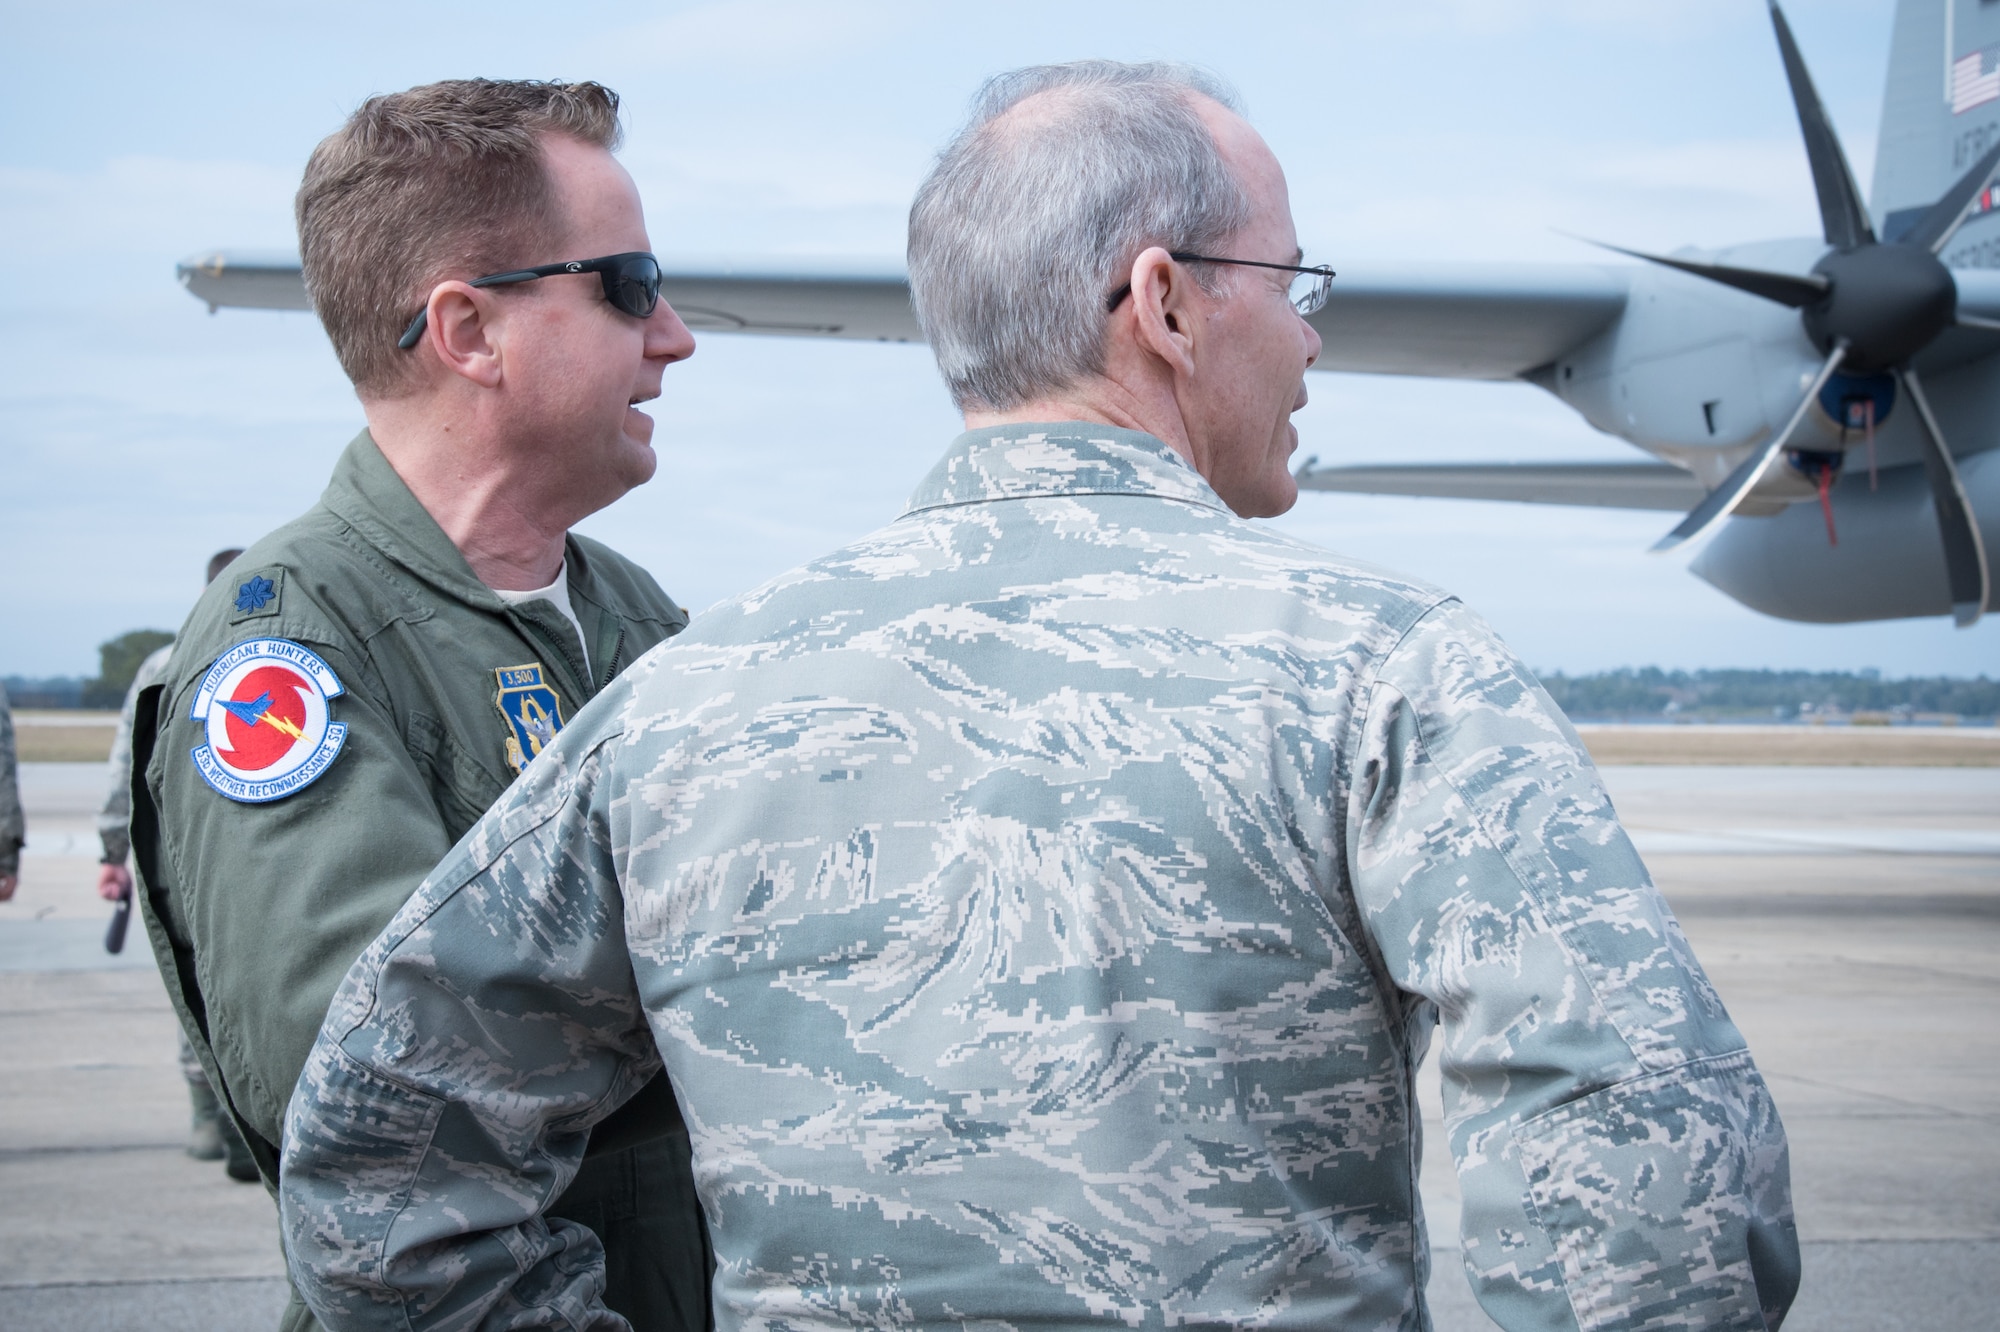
(1460, 322)
(1602, 485)
(799, 298)
(244, 279)
(820, 298)
(1464, 321)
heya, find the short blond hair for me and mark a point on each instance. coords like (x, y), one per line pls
(447, 180)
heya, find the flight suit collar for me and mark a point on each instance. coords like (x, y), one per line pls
(368, 495)
(1037, 460)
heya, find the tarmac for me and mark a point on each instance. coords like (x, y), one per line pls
(1850, 917)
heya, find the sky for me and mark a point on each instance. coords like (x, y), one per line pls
(138, 433)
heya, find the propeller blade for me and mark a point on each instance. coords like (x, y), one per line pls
(1722, 501)
(1843, 216)
(1941, 222)
(1974, 321)
(1792, 289)
(1964, 552)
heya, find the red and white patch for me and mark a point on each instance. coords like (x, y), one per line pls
(269, 730)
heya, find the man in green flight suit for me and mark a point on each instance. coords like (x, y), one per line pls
(371, 676)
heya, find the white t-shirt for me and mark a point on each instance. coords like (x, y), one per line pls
(557, 595)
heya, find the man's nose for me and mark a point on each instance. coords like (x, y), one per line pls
(667, 338)
(1312, 342)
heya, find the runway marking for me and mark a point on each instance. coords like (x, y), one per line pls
(1938, 1111)
(1816, 841)
(1902, 968)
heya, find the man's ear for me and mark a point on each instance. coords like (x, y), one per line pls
(1163, 322)
(462, 332)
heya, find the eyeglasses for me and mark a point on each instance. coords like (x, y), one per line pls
(631, 283)
(1309, 290)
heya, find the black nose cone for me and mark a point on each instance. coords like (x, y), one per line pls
(1887, 301)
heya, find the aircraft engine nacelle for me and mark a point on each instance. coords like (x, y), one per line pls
(1699, 374)
(1889, 563)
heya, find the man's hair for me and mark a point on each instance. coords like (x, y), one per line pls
(1027, 223)
(445, 180)
(221, 560)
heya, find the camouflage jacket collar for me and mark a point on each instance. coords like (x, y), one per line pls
(1030, 461)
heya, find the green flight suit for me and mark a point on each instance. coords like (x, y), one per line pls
(257, 910)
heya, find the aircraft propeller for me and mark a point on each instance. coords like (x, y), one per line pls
(1869, 305)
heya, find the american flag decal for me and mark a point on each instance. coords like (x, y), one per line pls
(1975, 80)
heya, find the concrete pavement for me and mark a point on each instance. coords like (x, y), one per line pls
(1849, 916)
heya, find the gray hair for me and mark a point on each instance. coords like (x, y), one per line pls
(1022, 230)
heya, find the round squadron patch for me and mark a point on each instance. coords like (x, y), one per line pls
(264, 706)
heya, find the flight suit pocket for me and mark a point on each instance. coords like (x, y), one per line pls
(462, 787)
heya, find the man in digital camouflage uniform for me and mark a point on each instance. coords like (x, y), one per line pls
(13, 827)
(211, 1136)
(1042, 905)
(370, 677)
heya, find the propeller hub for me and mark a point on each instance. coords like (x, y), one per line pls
(1887, 301)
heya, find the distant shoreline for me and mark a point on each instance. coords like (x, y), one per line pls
(58, 736)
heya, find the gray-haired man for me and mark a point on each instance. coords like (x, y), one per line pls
(1041, 905)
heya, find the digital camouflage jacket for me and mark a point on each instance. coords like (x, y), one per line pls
(13, 825)
(1041, 907)
(114, 816)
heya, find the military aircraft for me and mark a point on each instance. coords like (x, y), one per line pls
(1825, 407)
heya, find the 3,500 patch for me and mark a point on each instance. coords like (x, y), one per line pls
(264, 704)
(532, 709)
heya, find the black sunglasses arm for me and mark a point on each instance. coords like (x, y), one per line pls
(604, 267)
(415, 332)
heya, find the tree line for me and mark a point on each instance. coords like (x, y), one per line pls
(117, 662)
(1648, 691)
(1636, 692)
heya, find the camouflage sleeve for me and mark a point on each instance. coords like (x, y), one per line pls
(13, 827)
(451, 1092)
(114, 819)
(1621, 1162)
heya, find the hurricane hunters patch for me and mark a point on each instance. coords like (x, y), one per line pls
(269, 733)
(533, 711)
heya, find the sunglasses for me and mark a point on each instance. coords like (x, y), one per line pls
(631, 283)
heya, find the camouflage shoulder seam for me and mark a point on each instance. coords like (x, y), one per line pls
(1589, 967)
(1345, 755)
(1357, 720)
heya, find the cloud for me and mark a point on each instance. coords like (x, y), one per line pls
(1435, 129)
(134, 216)
(751, 170)
(759, 34)
(1682, 19)
(1491, 205)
